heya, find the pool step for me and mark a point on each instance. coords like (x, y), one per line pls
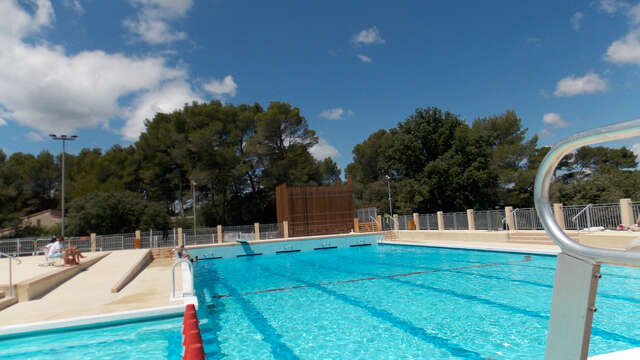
(163, 253)
(534, 238)
(391, 235)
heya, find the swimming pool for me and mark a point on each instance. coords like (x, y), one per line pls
(390, 301)
(365, 302)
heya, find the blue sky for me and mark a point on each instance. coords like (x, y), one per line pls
(99, 68)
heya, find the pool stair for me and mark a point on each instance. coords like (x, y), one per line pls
(192, 338)
(535, 237)
(163, 253)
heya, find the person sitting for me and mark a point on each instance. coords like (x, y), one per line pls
(55, 250)
(72, 256)
(182, 254)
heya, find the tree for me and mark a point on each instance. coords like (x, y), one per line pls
(120, 212)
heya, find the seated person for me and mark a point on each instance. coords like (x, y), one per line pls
(56, 250)
(182, 254)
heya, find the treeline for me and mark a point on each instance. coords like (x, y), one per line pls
(237, 154)
(438, 162)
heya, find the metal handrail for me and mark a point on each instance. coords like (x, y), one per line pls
(173, 275)
(543, 183)
(11, 258)
(580, 212)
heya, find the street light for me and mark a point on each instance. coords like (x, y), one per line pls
(64, 139)
(389, 189)
(193, 204)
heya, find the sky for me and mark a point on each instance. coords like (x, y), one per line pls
(98, 69)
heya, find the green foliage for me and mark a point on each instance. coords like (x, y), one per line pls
(120, 212)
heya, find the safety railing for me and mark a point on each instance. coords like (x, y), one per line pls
(428, 221)
(488, 220)
(187, 289)
(526, 219)
(11, 258)
(578, 266)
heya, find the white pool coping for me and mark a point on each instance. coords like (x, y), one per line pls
(476, 247)
(631, 354)
(92, 320)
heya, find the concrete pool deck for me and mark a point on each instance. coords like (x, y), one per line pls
(89, 292)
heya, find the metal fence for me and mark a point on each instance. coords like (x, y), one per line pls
(526, 219)
(456, 221)
(366, 214)
(428, 221)
(488, 220)
(578, 217)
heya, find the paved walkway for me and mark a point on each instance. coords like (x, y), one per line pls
(89, 292)
(29, 268)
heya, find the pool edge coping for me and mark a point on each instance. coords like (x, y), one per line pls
(75, 323)
(481, 248)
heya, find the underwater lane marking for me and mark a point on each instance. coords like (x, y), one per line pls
(526, 259)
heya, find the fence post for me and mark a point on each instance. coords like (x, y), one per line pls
(179, 237)
(508, 212)
(470, 219)
(137, 243)
(559, 214)
(256, 230)
(626, 212)
(219, 229)
(416, 220)
(440, 221)
(396, 224)
(356, 225)
(285, 229)
(93, 242)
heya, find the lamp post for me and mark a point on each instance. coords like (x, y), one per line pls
(389, 189)
(64, 139)
(193, 204)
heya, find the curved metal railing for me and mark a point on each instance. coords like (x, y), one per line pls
(11, 258)
(173, 276)
(543, 204)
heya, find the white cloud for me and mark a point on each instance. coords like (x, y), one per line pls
(152, 22)
(554, 120)
(634, 14)
(225, 86)
(75, 5)
(335, 113)
(576, 20)
(46, 89)
(365, 58)
(635, 148)
(611, 6)
(323, 150)
(625, 50)
(546, 133)
(3, 122)
(368, 36)
(591, 83)
(34, 136)
(166, 98)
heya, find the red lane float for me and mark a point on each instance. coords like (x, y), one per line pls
(192, 339)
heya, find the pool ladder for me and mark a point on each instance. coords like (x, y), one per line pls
(578, 266)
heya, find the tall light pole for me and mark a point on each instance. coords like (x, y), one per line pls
(193, 204)
(64, 139)
(389, 189)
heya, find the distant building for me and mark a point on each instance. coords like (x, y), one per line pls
(44, 218)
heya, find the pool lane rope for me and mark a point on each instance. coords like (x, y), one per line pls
(192, 339)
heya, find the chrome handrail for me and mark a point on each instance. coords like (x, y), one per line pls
(11, 258)
(173, 275)
(543, 183)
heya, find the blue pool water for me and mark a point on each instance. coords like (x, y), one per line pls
(373, 302)
(387, 301)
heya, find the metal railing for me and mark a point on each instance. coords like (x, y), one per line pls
(578, 266)
(428, 221)
(10, 258)
(173, 278)
(488, 220)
